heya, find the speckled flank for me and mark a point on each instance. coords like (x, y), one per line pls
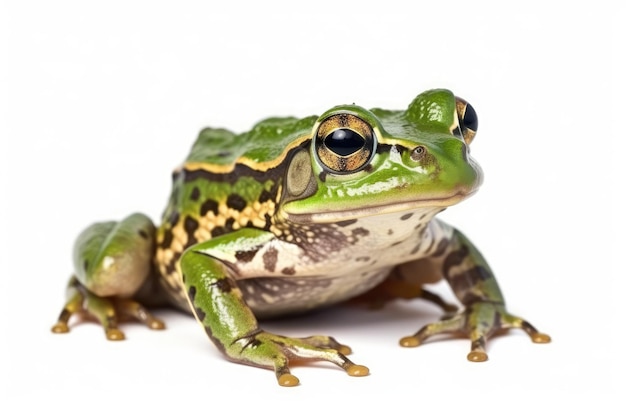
(270, 257)
(208, 218)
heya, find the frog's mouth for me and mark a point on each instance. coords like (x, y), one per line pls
(329, 216)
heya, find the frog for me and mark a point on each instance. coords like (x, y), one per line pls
(296, 215)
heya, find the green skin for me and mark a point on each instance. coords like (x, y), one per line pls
(293, 216)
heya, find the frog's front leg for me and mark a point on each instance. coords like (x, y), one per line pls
(473, 282)
(112, 261)
(209, 270)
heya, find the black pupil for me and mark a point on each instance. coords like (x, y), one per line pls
(344, 142)
(470, 120)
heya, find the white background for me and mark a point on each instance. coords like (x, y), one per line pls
(101, 102)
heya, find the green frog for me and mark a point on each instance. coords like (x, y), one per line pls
(296, 215)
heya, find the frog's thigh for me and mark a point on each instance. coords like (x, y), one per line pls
(406, 281)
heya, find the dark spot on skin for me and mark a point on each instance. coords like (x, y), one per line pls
(224, 285)
(143, 234)
(270, 258)
(456, 257)
(322, 176)
(192, 293)
(254, 343)
(464, 284)
(363, 259)
(195, 194)
(441, 247)
(86, 264)
(65, 314)
(224, 154)
(191, 225)
(416, 248)
(236, 202)
(173, 218)
(200, 314)
(406, 216)
(168, 237)
(288, 271)
(209, 205)
(395, 244)
(390, 232)
(217, 231)
(265, 196)
(245, 256)
(479, 343)
(346, 222)
(171, 266)
(360, 232)
(228, 225)
(385, 148)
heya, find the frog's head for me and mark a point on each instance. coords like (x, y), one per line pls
(370, 162)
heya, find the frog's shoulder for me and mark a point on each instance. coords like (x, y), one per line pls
(266, 142)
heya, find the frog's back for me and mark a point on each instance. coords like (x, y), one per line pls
(264, 144)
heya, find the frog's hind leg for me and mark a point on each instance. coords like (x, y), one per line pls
(113, 261)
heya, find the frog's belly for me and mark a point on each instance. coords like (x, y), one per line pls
(271, 296)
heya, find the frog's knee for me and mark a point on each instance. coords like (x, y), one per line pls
(114, 258)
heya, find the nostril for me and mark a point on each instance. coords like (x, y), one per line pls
(418, 153)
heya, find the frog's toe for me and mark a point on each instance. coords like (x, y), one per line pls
(511, 321)
(135, 310)
(60, 327)
(446, 325)
(288, 380)
(114, 334)
(72, 306)
(409, 341)
(477, 356)
(277, 352)
(540, 338)
(329, 343)
(357, 370)
(478, 353)
(106, 310)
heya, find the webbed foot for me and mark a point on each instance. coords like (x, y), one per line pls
(108, 311)
(276, 352)
(478, 322)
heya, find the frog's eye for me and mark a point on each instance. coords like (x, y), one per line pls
(344, 143)
(468, 121)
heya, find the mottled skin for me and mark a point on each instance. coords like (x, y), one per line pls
(295, 215)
